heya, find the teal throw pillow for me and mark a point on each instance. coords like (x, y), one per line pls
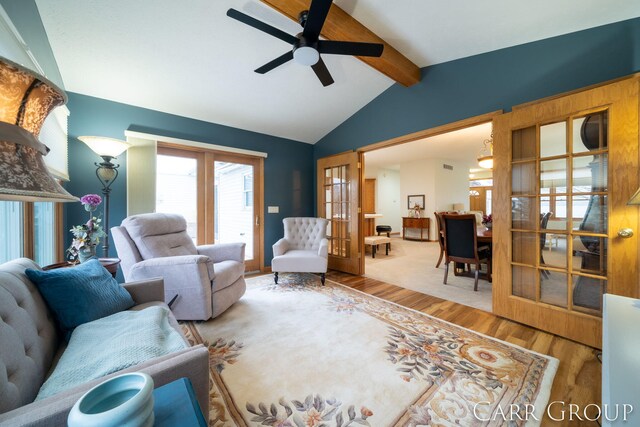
(80, 294)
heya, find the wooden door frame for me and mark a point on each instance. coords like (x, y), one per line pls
(206, 179)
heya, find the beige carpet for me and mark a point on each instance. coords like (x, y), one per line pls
(300, 354)
(412, 264)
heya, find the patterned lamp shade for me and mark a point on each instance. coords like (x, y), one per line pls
(26, 99)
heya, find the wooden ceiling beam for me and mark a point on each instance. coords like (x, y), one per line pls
(342, 27)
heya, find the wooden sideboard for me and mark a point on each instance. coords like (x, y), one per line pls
(421, 223)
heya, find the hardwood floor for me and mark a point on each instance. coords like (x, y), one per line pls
(578, 380)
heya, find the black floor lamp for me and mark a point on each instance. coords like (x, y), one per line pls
(106, 171)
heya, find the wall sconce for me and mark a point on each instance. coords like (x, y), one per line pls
(106, 171)
(26, 101)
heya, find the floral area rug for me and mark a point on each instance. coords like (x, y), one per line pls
(300, 354)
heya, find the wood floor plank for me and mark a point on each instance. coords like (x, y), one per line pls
(578, 380)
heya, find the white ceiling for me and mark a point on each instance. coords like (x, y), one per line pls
(190, 59)
(458, 146)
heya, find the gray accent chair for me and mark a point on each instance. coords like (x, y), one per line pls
(206, 279)
(303, 249)
(30, 348)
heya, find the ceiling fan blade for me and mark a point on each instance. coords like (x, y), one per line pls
(323, 74)
(259, 25)
(350, 48)
(315, 19)
(286, 57)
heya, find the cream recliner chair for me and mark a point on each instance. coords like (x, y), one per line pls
(303, 249)
(206, 279)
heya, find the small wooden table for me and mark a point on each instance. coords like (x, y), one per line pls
(111, 264)
(421, 223)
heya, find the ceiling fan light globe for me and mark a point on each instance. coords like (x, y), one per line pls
(306, 55)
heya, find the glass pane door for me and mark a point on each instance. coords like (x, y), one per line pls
(177, 189)
(234, 210)
(338, 201)
(559, 220)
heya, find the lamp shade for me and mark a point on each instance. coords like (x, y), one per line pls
(105, 147)
(25, 102)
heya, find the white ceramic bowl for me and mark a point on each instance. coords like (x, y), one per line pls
(125, 400)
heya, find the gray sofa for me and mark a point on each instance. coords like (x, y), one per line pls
(207, 279)
(30, 347)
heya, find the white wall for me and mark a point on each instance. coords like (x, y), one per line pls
(441, 187)
(389, 199)
(452, 185)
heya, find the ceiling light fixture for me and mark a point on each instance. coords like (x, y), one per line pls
(26, 101)
(485, 156)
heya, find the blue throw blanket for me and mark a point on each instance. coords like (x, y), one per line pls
(111, 344)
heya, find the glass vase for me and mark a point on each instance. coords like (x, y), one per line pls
(87, 253)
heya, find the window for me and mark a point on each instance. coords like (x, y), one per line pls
(11, 227)
(30, 230)
(248, 190)
(44, 233)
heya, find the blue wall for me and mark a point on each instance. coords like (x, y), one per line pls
(496, 80)
(288, 172)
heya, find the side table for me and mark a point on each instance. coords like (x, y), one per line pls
(175, 404)
(111, 264)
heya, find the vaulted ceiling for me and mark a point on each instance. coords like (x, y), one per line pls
(190, 59)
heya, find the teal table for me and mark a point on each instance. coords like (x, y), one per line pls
(175, 404)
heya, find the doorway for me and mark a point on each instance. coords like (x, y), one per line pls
(437, 172)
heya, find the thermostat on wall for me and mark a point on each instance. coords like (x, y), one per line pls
(273, 209)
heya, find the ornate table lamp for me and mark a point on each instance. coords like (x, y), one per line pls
(26, 99)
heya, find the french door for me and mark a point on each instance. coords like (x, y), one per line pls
(235, 205)
(564, 171)
(339, 179)
(219, 194)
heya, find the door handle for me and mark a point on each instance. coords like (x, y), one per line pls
(625, 233)
(257, 221)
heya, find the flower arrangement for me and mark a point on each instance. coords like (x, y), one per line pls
(86, 236)
(487, 220)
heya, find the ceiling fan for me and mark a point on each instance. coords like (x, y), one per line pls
(306, 45)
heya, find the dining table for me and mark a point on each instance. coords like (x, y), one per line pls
(484, 234)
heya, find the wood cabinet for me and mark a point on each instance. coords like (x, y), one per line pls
(420, 223)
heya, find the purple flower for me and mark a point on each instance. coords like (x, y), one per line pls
(92, 200)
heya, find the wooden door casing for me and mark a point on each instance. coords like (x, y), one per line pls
(620, 99)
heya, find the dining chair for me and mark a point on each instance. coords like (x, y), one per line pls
(461, 245)
(440, 237)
